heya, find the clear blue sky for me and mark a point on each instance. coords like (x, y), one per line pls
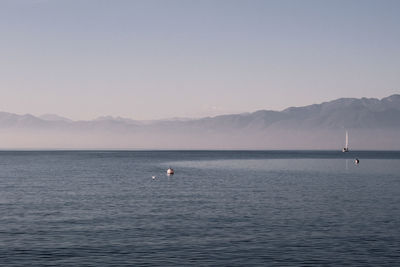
(159, 59)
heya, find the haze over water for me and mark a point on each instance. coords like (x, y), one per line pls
(224, 208)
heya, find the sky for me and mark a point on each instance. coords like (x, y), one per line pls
(162, 59)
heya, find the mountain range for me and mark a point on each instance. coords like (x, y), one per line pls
(372, 124)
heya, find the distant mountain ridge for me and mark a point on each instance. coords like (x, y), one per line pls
(375, 123)
(342, 113)
(53, 117)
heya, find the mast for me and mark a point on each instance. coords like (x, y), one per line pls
(346, 148)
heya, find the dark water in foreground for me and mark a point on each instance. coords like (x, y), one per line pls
(225, 208)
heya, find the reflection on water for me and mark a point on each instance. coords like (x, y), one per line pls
(380, 166)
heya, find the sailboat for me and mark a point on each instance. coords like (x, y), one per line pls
(346, 148)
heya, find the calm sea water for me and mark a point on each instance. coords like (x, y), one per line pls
(221, 208)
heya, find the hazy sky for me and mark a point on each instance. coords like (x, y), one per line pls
(159, 59)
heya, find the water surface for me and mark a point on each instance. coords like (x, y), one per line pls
(227, 208)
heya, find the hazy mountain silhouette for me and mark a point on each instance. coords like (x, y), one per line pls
(372, 124)
(53, 117)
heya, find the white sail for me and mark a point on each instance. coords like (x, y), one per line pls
(346, 147)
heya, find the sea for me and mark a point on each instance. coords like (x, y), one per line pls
(220, 208)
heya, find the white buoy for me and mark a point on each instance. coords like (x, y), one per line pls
(356, 161)
(170, 171)
(153, 177)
